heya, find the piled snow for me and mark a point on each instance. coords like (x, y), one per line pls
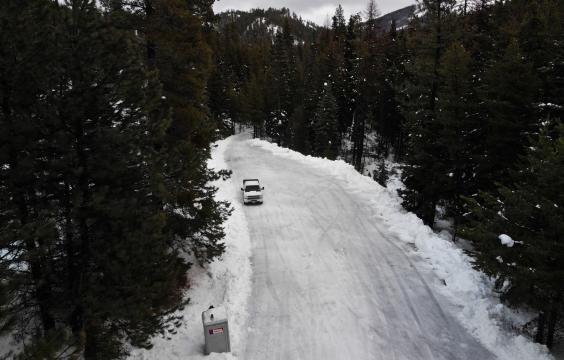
(226, 283)
(9, 346)
(470, 290)
(506, 240)
(274, 29)
(257, 23)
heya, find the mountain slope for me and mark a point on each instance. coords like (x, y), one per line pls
(401, 17)
(259, 23)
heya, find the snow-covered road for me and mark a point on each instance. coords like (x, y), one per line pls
(328, 281)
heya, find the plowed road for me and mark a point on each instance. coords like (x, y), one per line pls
(328, 282)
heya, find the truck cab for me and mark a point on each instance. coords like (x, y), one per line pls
(252, 191)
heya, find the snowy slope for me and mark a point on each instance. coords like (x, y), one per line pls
(339, 271)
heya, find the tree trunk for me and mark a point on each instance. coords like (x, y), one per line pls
(151, 46)
(552, 319)
(428, 213)
(539, 336)
(92, 343)
(83, 255)
(437, 60)
(358, 144)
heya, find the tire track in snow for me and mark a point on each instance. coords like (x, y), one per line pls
(350, 292)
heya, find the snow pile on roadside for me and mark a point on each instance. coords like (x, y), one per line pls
(467, 288)
(226, 282)
(8, 346)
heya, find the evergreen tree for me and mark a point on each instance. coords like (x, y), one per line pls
(325, 125)
(460, 131)
(389, 122)
(312, 93)
(111, 197)
(510, 114)
(339, 25)
(221, 106)
(256, 104)
(301, 131)
(424, 175)
(87, 164)
(282, 84)
(26, 52)
(541, 36)
(381, 174)
(176, 39)
(528, 269)
(338, 69)
(352, 68)
(363, 117)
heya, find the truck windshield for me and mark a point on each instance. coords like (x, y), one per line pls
(252, 188)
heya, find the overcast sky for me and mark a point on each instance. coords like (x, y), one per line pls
(315, 10)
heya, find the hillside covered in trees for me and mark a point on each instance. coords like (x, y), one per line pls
(109, 108)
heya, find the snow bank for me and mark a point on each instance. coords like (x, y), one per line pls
(470, 290)
(9, 346)
(226, 282)
(506, 240)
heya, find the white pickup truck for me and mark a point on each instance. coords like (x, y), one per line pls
(252, 191)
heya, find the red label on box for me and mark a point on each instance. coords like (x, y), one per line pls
(216, 331)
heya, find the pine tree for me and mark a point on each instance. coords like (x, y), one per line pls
(283, 75)
(325, 125)
(510, 114)
(338, 71)
(221, 98)
(254, 94)
(312, 94)
(381, 174)
(460, 131)
(528, 270)
(541, 36)
(424, 175)
(301, 131)
(339, 26)
(112, 202)
(27, 229)
(369, 70)
(100, 233)
(176, 40)
(361, 118)
(389, 120)
(352, 68)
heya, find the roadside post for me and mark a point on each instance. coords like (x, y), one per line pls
(216, 330)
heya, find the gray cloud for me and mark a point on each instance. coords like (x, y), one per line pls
(314, 10)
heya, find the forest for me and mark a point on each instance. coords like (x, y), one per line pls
(467, 97)
(109, 110)
(104, 195)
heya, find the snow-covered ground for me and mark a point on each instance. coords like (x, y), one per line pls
(339, 270)
(331, 267)
(226, 282)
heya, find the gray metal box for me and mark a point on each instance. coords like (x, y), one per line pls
(216, 331)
